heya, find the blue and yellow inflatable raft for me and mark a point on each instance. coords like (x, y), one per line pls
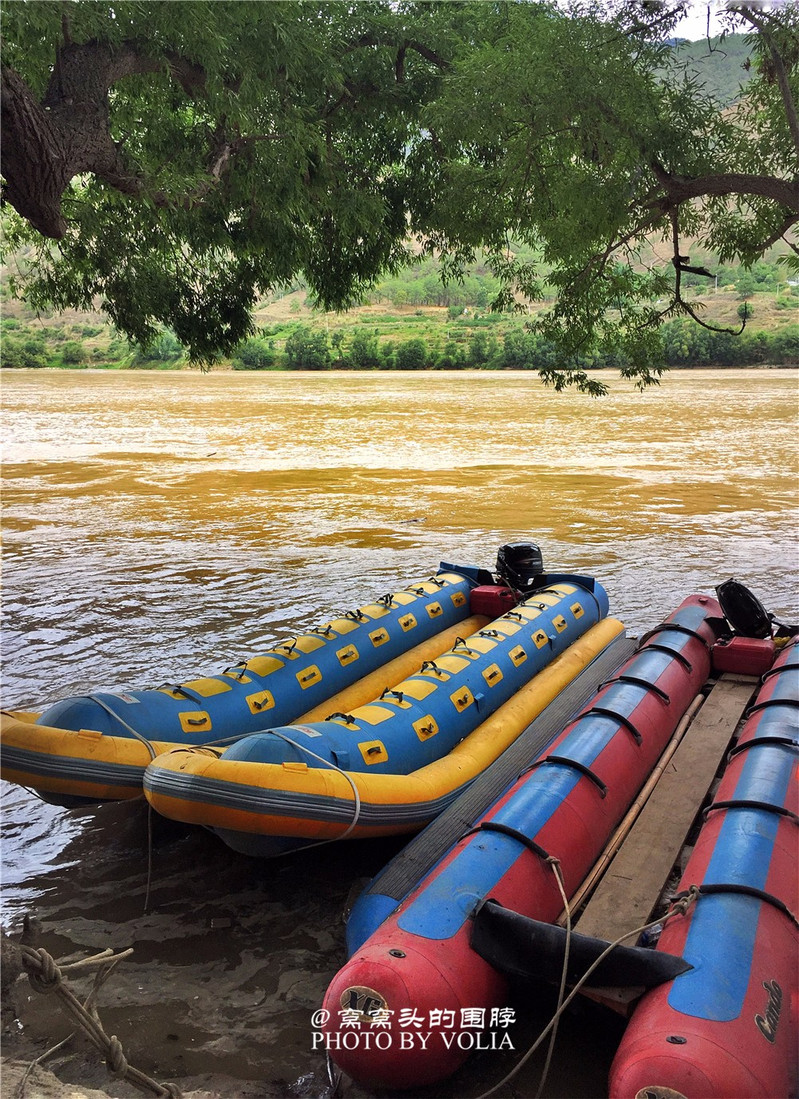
(393, 764)
(95, 747)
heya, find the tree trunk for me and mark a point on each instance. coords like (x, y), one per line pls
(35, 164)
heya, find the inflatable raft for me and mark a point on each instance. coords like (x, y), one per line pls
(420, 962)
(728, 1026)
(391, 765)
(95, 747)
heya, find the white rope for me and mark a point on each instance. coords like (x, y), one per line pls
(678, 908)
(334, 767)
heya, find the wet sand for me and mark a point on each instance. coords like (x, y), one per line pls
(231, 958)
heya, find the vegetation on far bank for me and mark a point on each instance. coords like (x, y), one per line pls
(414, 322)
(175, 166)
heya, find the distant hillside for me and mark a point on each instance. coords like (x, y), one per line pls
(720, 65)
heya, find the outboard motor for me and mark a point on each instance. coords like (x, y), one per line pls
(520, 565)
(743, 610)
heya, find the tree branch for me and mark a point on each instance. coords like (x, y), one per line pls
(680, 265)
(401, 46)
(679, 189)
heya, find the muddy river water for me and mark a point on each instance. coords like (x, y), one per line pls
(158, 526)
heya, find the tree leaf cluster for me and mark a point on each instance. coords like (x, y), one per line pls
(176, 162)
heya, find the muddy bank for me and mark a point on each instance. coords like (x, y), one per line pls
(230, 959)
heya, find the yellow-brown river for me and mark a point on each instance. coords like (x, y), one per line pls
(162, 525)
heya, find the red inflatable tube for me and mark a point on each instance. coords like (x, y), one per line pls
(728, 1028)
(408, 1007)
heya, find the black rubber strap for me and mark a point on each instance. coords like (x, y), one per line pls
(581, 767)
(507, 830)
(637, 681)
(388, 693)
(763, 741)
(622, 720)
(777, 671)
(743, 803)
(760, 706)
(686, 663)
(680, 629)
(192, 696)
(715, 888)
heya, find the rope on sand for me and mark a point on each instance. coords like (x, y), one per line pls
(46, 976)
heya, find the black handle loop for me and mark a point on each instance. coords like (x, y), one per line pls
(240, 668)
(396, 694)
(507, 830)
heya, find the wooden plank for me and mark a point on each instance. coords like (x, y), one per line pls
(632, 884)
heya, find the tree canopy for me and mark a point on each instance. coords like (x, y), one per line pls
(175, 162)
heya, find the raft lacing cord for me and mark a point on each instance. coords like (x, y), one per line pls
(679, 907)
(45, 975)
(334, 767)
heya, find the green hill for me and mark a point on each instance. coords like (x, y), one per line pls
(720, 66)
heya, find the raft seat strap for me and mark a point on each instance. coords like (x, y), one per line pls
(637, 681)
(714, 888)
(743, 803)
(581, 767)
(121, 720)
(763, 741)
(680, 629)
(622, 720)
(460, 644)
(507, 830)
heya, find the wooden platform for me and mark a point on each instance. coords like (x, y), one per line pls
(635, 878)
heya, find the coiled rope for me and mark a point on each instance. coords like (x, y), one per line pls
(46, 976)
